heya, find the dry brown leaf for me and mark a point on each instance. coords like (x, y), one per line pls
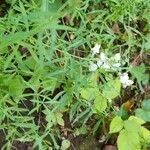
(116, 28)
(128, 105)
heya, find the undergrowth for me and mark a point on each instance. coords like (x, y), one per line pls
(74, 67)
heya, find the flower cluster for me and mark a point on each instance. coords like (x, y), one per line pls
(103, 60)
(112, 63)
(124, 79)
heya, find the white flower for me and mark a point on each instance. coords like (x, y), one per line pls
(116, 65)
(99, 63)
(103, 56)
(117, 57)
(128, 83)
(106, 65)
(124, 79)
(92, 67)
(95, 49)
(103, 61)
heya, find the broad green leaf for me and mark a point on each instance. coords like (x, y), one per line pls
(91, 89)
(144, 112)
(146, 105)
(93, 79)
(137, 120)
(145, 133)
(112, 89)
(100, 103)
(128, 140)
(16, 86)
(139, 73)
(88, 93)
(65, 144)
(131, 126)
(145, 115)
(123, 113)
(116, 125)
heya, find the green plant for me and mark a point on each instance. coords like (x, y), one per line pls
(139, 72)
(64, 65)
(144, 112)
(132, 135)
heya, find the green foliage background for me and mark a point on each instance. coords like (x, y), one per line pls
(44, 71)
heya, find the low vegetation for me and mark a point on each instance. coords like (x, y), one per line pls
(72, 70)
